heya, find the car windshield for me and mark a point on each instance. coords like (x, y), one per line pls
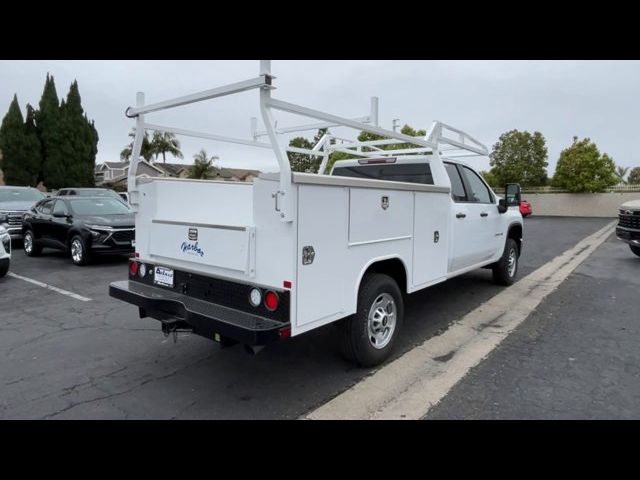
(20, 195)
(99, 206)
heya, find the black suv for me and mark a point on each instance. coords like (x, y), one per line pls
(83, 226)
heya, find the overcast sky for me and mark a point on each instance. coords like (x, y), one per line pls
(596, 99)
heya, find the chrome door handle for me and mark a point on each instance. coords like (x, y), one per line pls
(484, 214)
(460, 215)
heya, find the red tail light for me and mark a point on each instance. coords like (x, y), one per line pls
(133, 268)
(285, 332)
(271, 300)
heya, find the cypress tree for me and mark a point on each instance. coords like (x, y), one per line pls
(81, 140)
(20, 146)
(33, 148)
(12, 143)
(50, 131)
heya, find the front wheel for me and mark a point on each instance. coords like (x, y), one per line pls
(78, 250)
(635, 250)
(367, 337)
(29, 244)
(504, 271)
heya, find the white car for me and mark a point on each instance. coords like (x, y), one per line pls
(5, 251)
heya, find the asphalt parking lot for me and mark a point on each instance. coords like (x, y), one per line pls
(65, 357)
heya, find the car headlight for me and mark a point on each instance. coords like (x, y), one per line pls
(4, 218)
(6, 243)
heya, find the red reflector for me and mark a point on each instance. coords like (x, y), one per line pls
(285, 332)
(133, 268)
(271, 300)
(286, 284)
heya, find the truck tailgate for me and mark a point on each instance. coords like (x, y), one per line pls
(204, 222)
(214, 245)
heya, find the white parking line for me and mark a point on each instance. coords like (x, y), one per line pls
(410, 386)
(50, 287)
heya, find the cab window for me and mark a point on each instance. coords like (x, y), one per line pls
(457, 186)
(480, 193)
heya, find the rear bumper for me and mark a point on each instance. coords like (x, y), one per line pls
(204, 318)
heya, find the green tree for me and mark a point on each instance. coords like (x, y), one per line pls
(146, 150)
(581, 168)
(634, 176)
(490, 178)
(203, 167)
(163, 143)
(520, 157)
(301, 162)
(621, 172)
(20, 146)
(50, 130)
(80, 147)
(33, 149)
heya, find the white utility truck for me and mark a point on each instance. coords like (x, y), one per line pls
(254, 263)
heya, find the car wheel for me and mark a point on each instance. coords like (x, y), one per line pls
(505, 270)
(30, 245)
(367, 337)
(4, 268)
(635, 250)
(78, 251)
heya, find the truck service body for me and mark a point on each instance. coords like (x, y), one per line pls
(291, 252)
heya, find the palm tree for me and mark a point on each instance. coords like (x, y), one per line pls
(621, 172)
(163, 143)
(146, 151)
(203, 167)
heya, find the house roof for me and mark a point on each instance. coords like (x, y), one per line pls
(171, 168)
(239, 173)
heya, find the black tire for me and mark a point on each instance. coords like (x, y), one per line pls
(30, 244)
(635, 250)
(502, 273)
(4, 268)
(354, 334)
(82, 256)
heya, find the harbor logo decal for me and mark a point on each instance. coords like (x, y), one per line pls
(192, 249)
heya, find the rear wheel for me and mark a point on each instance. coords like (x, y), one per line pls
(78, 250)
(635, 250)
(367, 337)
(504, 271)
(29, 244)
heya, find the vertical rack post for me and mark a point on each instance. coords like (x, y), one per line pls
(283, 197)
(132, 187)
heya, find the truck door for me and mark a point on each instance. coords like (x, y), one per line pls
(463, 244)
(484, 215)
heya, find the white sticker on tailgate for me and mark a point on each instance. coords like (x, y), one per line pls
(163, 276)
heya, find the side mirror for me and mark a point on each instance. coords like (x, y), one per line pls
(513, 195)
(61, 215)
(502, 206)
